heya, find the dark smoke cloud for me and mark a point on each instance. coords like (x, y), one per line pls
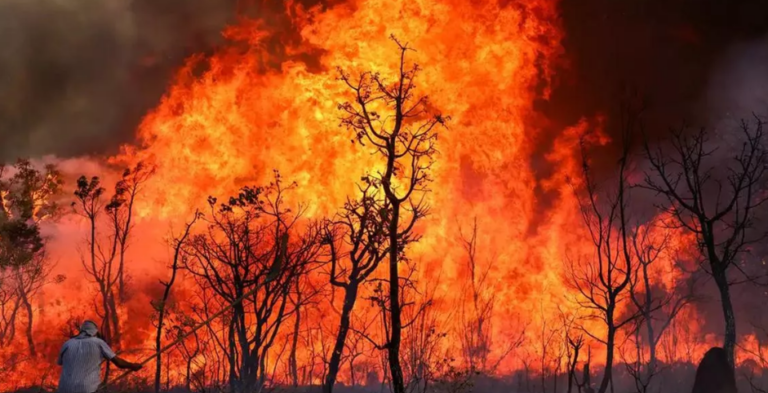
(665, 49)
(704, 61)
(76, 76)
(668, 51)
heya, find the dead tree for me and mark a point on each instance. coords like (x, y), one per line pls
(586, 381)
(476, 329)
(399, 127)
(574, 345)
(424, 337)
(303, 296)
(178, 255)
(212, 341)
(128, 188)
(602, 282)
(252, 240)
(657, 307)
(719, 211)
(356, 240)
(99, 265)
(106, 255)
(355, 348)
(189, 352)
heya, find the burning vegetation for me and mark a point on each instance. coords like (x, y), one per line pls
(384, 216)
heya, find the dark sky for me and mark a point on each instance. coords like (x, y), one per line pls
(76, 76)
(667, 49)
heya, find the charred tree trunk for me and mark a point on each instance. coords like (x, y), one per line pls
(729, 341)
(393, 346)
(161, 308)
(158, 343)
(720, 212)
(338, 348)
(186, 376)
(586, 382)
(293, 361)
(576, 346)
(30, 320)
(608, 374)
(114, 318)
(404, 138)
(106, 322)
(652, 340)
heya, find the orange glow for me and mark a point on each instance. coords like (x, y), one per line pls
(238, 119)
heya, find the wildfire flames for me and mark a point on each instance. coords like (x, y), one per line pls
(230, 120)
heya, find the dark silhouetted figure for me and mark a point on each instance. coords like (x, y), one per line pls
(714, 374)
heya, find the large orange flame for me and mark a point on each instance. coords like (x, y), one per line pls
(229, 120)
(482, 63)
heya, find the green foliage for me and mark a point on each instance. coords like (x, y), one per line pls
(88, 194)
(28, 197)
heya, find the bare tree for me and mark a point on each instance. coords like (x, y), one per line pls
(720, 212)
(400, 128)
(357, 243)
(179, 254)
(128, 188)
(248, 243)
(476, 328)
(303, 296)
(656, 306)
(574, 345)
(549, 343)
(602, 284)
(106, 256)
(355, 349)
(190, 347)
(421, 344)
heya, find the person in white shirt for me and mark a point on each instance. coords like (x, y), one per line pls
(81, 358)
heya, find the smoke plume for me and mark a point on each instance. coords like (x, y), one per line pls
(76, 76)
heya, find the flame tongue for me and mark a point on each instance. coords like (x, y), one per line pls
(483, 63)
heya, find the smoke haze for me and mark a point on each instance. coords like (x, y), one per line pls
(77, 76)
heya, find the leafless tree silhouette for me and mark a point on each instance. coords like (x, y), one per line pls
(106, 251)
(602, 282)
(357, 243)
(179, 257)
(716, 200)
(657, 307)
(400, 128)
(248, 243)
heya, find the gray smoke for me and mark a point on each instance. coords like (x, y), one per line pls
(77, 75)
(738, 88)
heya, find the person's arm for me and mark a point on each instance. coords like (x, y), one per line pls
(110, 355)
(124, 364)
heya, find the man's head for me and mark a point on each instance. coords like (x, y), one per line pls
(89, 328)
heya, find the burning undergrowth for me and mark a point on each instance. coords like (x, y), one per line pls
(495, 283)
